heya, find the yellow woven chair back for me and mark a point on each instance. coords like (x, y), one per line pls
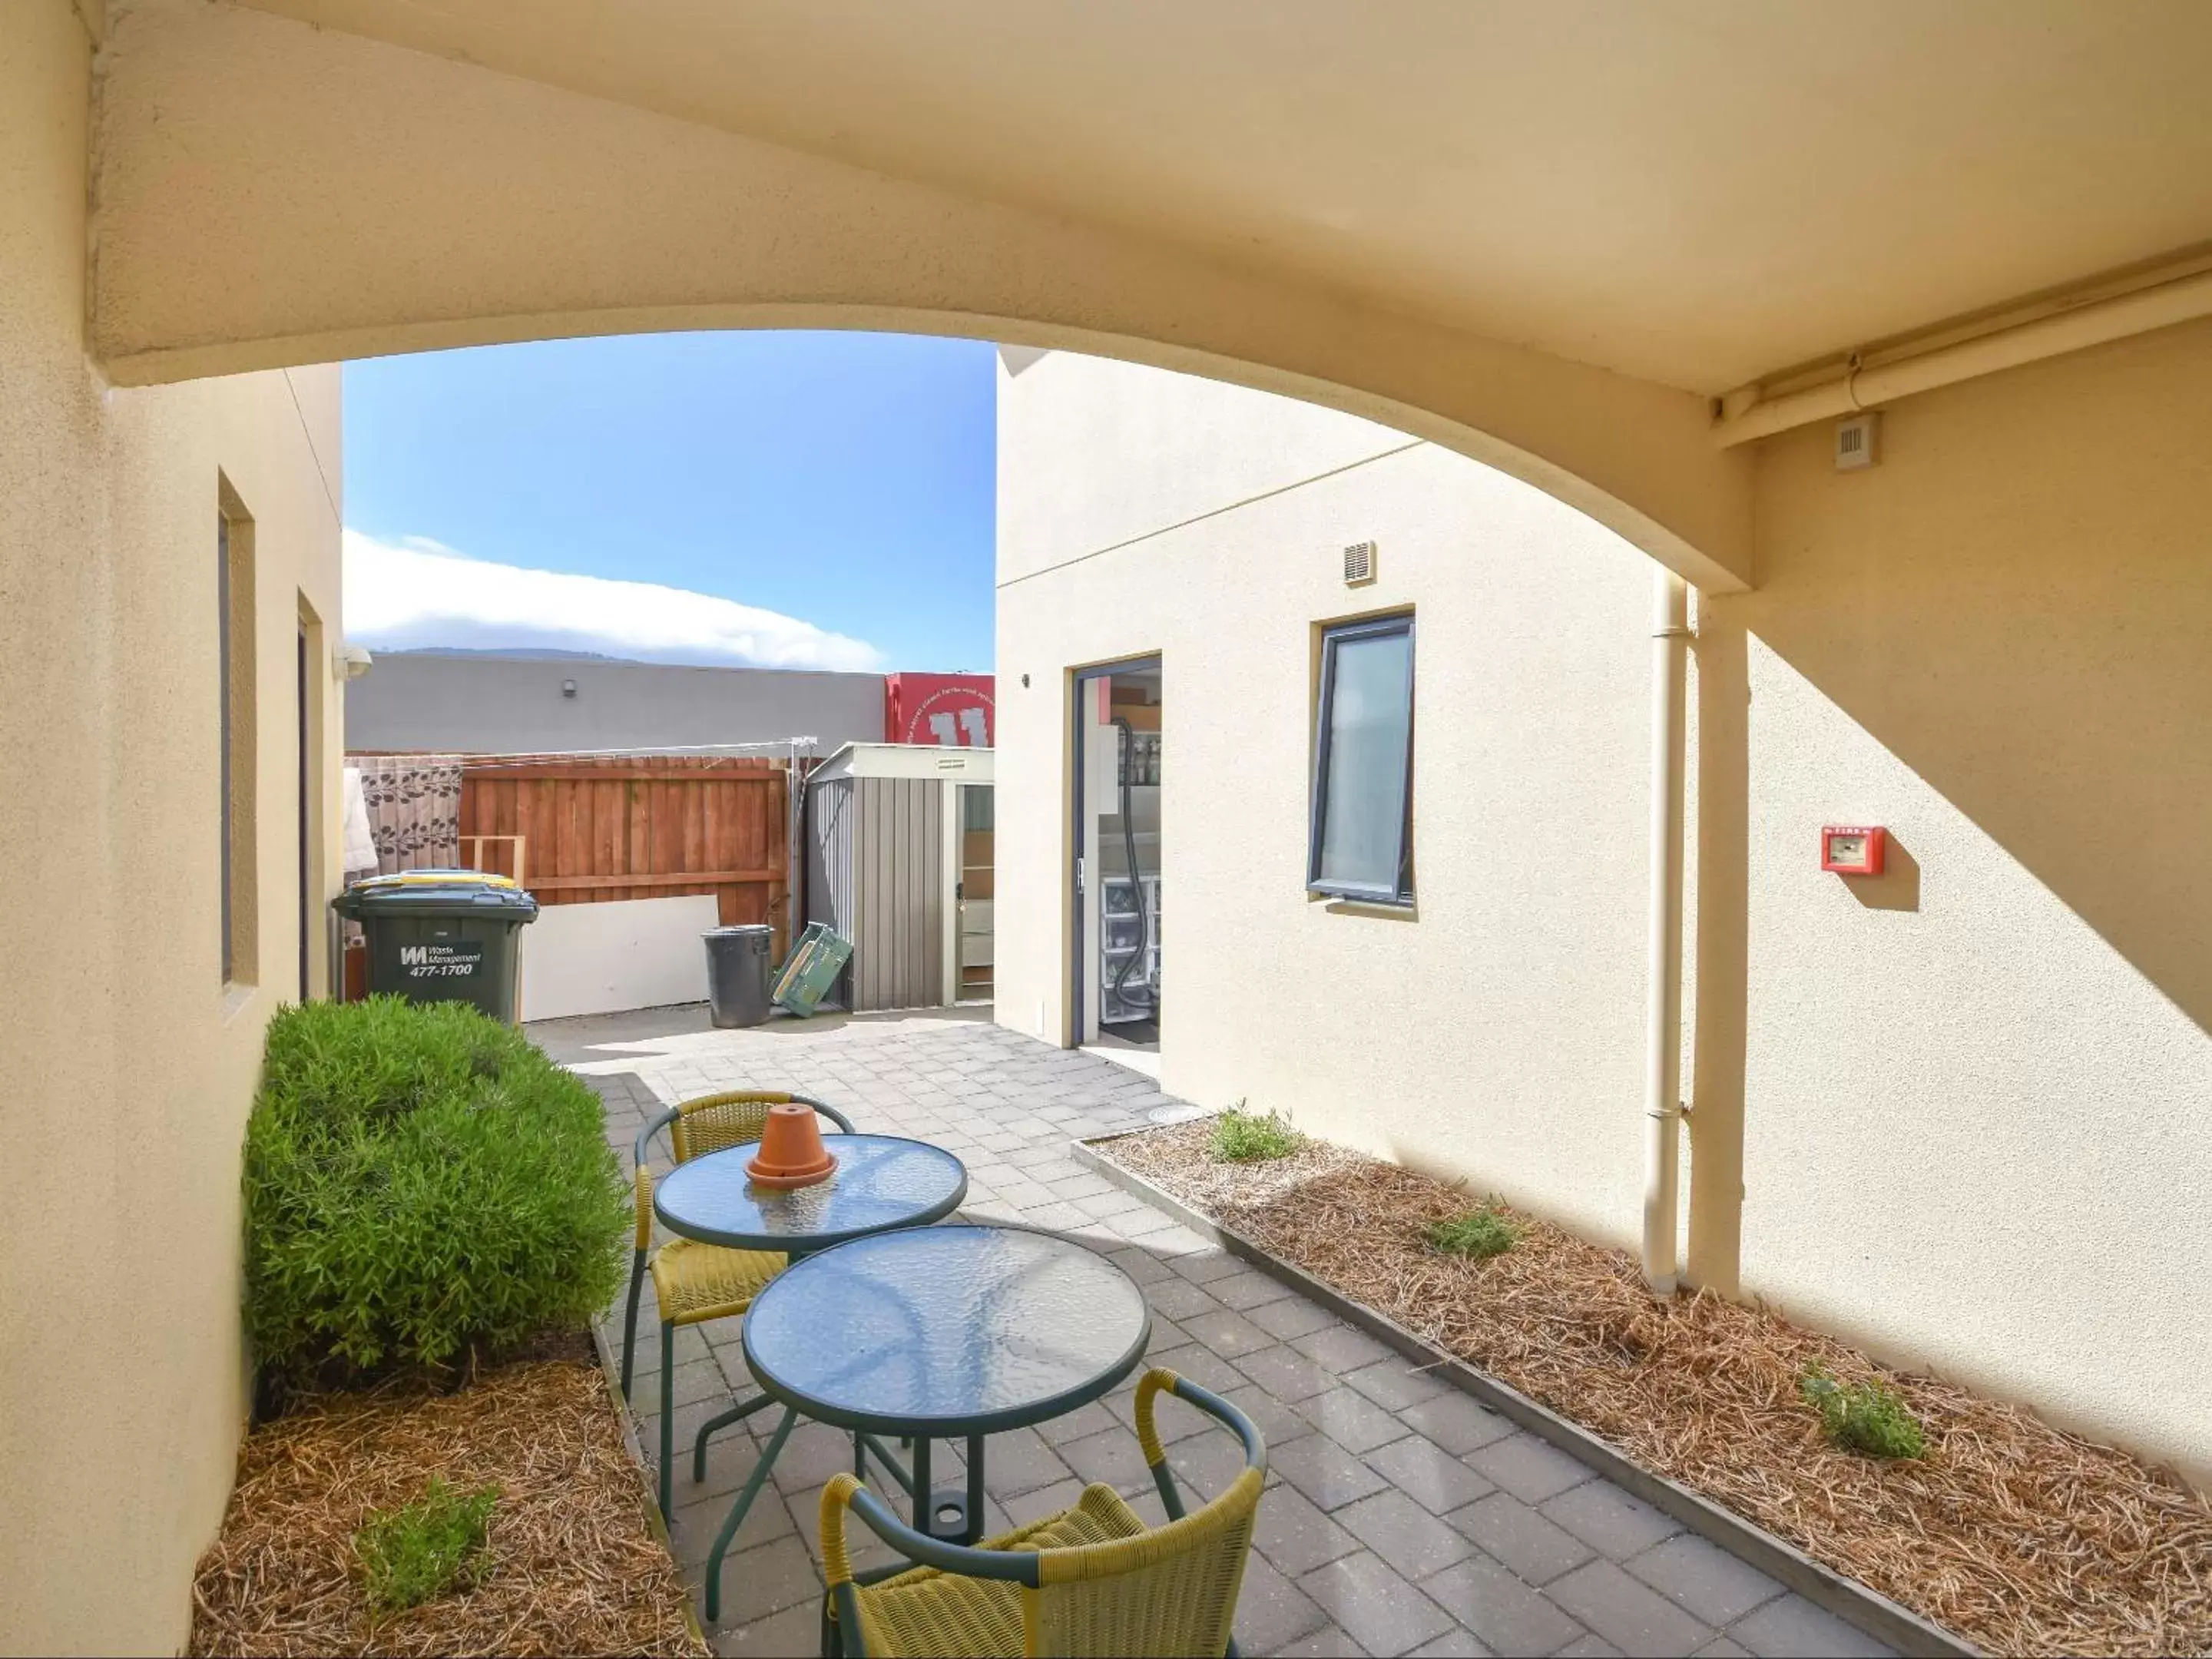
(713, 1122)
(1169, 1591)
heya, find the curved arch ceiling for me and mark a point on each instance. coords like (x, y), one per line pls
(1696, 193)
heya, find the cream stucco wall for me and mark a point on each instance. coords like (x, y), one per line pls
(1962, 1114)
(1498, 1032)
(1976, 1100)
(129, 1066)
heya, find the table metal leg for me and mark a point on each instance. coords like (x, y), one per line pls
(737, 1518)
(735, 1414)
(882, 1454)
(975, 1528)
(920, 1489)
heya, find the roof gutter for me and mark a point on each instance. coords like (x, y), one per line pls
(1747, 416)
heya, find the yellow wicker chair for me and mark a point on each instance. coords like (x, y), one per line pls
(1090, 1581)
(695, 1282)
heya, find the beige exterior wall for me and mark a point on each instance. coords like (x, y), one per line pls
(1498, 1032)
(130, 1063)
(1959, 1115)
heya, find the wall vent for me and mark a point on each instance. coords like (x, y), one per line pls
(1855, 441)
(1359, 564)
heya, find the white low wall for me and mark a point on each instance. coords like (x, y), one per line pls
(626, 953)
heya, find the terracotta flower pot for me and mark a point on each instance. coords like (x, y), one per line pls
(791, 1153)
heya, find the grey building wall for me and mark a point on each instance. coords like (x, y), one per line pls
(505, 705)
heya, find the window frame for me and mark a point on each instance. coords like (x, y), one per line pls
(1400, 893)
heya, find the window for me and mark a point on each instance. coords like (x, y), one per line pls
(235, 695)
(1361, 844)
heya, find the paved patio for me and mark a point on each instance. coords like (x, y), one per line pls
(1401, 1516)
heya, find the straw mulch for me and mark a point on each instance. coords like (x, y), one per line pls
(2018, 1538)
(576, 1566)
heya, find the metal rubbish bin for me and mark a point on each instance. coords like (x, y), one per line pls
(442, 936)
(737, 974)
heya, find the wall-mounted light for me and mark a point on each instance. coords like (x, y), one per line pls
(567, 688)
(350, 662)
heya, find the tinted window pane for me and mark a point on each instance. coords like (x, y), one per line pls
(1370, 732)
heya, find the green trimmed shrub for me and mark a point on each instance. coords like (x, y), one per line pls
(1480, 1234)
(420, 1180)
(1243, 1137)
(416, 1554)
(1870, 1417)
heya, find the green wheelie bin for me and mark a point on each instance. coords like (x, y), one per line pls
(442, 936)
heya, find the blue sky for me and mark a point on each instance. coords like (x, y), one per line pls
(832, 492)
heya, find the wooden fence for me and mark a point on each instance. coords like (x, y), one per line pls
(578, 828)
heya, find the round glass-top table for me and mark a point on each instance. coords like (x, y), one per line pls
(936, 1332)
(881, 1182)
(956, 1331)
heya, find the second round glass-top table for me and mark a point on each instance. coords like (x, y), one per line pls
(939, 1333)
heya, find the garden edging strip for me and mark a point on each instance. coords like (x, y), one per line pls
(1869, 1611)
(611, 1374)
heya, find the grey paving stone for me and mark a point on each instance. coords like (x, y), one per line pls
(1204, 1465)
(1331, 1476)
(767, 1580)
(1506, 1614)
(1629, 1614)
(1272, 1612)
(1292, 1316)
(1610, 1520)
(1352, 1420)
(1227, 1332)
(692, 1533)
(1373, 1606)
(1721, 1648)
(1250, 1288)
(1340, 1348)
(1524, 1539)
(1454, 1643)
(787, 1635)
(1113, 1457)
(1294, 1535)
(1589, 1647)
(1429, 1474)
(1141, 1265)
(1285, 1374)
(1402, 1533)
(1457, 1421)
(1205, 1265)
(1705, 1578)
(1790, 1626)
(1531, 1469)
(1326, 1642)
(1277, 1422)
(1394, 1384)
(1019, 1462)
(1203, 1366)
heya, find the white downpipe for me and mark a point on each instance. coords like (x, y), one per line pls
(1662, 1038)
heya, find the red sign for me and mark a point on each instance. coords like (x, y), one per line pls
(950, 711)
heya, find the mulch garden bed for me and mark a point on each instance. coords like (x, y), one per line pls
(2016, 1536)
(575, 1565)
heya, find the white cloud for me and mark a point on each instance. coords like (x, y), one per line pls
(416, 593)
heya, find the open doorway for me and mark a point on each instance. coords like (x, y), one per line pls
(1116, 967)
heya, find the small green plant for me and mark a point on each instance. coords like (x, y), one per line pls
(1480, 1234)
(1243, 1137)
(436, 1544)
(421, 1182)
(1865, 1418)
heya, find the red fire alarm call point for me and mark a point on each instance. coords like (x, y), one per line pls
(1852, 849)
